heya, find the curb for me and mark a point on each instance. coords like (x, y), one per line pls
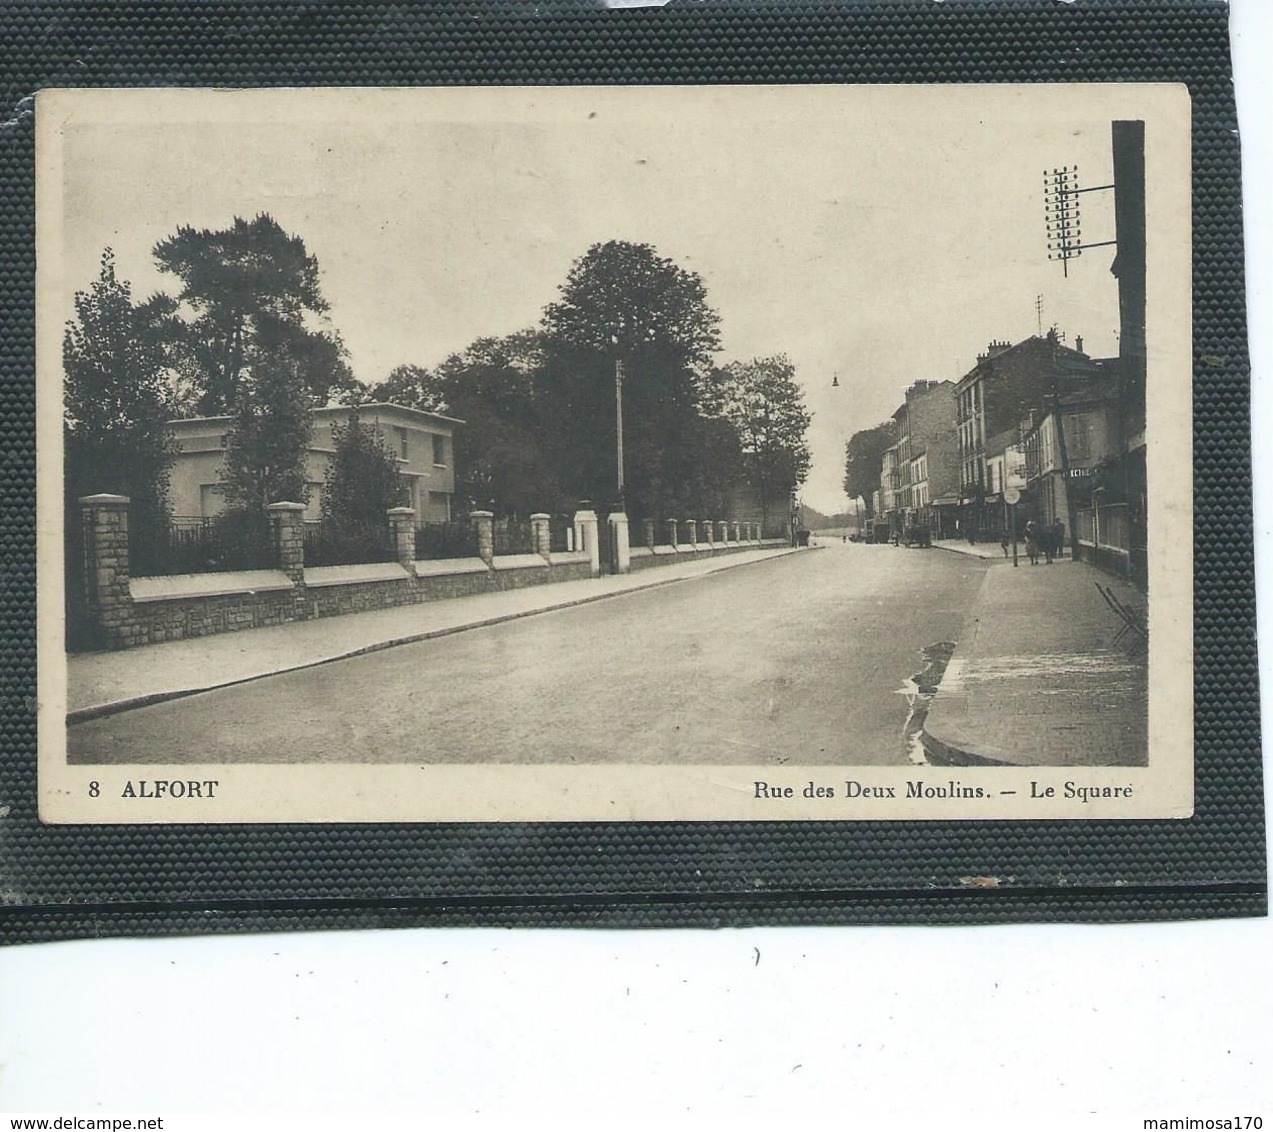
(117, 707)
(950, 751)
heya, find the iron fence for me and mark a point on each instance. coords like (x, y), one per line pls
(329, 544)
(559, 527)
(512, 536)
(197, 545)
(454, 539)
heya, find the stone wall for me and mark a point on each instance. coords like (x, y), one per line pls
(139, 611)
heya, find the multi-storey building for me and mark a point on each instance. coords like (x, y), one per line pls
(421, 441)
(1009, 384)
(921, 470)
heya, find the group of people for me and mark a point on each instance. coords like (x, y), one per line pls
(1048, 542)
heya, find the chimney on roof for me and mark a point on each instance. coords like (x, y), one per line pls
(995, 347)
(1078, 342)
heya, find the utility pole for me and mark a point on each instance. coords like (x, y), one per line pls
(1062, 215)
(618, 420)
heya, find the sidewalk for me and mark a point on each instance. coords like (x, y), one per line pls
(109, 682)
(1037, 680)
(980, 549)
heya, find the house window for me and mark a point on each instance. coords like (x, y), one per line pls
(403, 449)
(1078, 432)
(439, 450)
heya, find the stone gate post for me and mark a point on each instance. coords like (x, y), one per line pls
(287, 531)
(484, 523)
(105, 519)
(671, 534)
(402, 532)
(540, 534)
(619, 532)
(586, 525)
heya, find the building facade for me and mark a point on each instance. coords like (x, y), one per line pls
(1009, 385)
(920, 473)
(422, 442)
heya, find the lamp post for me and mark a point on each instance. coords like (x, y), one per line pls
(618, 420)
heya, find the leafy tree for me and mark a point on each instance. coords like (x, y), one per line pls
(409, 385)
(625, 305)
(116, 404)
(864, 459)
(501, 450)
(363, 480)
(247, 285)
(766, 406)
(269, 433)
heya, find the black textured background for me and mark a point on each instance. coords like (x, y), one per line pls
(75, 881)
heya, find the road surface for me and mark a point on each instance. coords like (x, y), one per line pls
(800, 659)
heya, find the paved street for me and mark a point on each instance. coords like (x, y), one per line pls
(799, 659)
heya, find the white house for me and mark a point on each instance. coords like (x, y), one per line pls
(422, 442)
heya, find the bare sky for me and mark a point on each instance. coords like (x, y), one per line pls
(884, 234)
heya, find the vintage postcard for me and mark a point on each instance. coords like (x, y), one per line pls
(606, 454)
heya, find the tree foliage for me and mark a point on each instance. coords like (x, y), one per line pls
(766, 406)
(624, 305)
(363, 480)
(116, 403)
(248, 287)
(269, 434)
(863, 460)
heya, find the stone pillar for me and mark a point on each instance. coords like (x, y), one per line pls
(402, 531)
(691, 532)
(106, 574)
(540, 534)
(709, 534)
(287, 526)
(287, 530)
(586, 526)
(619, 532)
(737, 528)
(484, 523)
(649, 532)
(724, 531)
(671, 534)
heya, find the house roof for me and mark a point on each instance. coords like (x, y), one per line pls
(338, 410)
(1064, 356)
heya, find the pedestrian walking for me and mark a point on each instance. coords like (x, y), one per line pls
(1032, 542)
(1058, 536)
(1003, 542)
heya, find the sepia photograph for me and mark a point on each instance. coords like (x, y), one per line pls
(645, 453)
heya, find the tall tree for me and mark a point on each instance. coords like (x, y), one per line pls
(501, 454)
(624, 306)
(766, 406)
(863, 460)
(244, 286)
(116, 400)
(269, 434)
(363, 480)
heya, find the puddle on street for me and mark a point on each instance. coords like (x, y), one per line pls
(919, 692)
(1104, 665)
